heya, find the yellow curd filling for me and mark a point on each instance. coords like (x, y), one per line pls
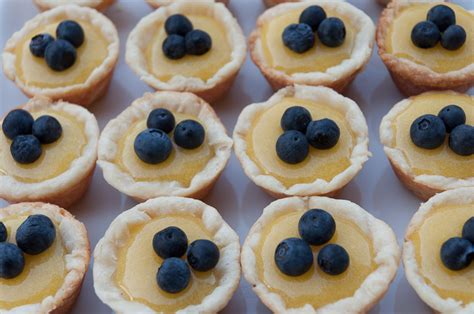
(398, 41)
(314, 287)
(320, 164)
(42, 276)
(442, 160)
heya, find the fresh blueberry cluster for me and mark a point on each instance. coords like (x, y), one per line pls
(300, 131)
(34, 236)
(171, 244)
(27, 134)
(294, 257)
(183, 39)
(429, 131)
(59, 54)
(457, 253)
(154, 146)
(440, 26)
(301, 37)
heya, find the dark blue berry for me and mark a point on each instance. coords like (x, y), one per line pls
(452, 116)
(457, 253)
(25, 149)
(189, 134)
(316, 226)
(173, 275)
(174, 47)
(47, 129)
(161, 119)
(295, 118)
(468, 230)
(332, 32)
(461, 140)
(70, 31)
(298, 37)
(178, 24)
(425, 35)
(36, 234)
(293, 257)
(453, 37)
(333, 259)
(170, 242)
(441, 15)
(152, 146)
(17, 122)
(428, 131)
(197, 42)
(203, 255)
(292, 147)
(323, 134)
(60, 55)
(3, 232)
(12, 261)
(313, 16)
(39, 43)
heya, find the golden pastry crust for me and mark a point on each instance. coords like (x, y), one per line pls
(117, 235)
(209, 90)
(337, 77)
(69, 186)
(423, 186)
(386, 250)
(96, 84)
(462, 196)
(187, 103)
(410, 77)
(158, 3)
(360, 153)
(99, 5)
(74, 236)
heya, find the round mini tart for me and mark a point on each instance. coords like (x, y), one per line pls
(208, 75)
(426, 171)
(323, 171)
(190, 172)
(100, 5)
(50, 281)
(370, 243)
(416, 70)
(125, 263)
(62, 174)
(439, 219)
(321, 64)
(159, 3)
(87, 79)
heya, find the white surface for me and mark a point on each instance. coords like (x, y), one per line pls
(240, 202)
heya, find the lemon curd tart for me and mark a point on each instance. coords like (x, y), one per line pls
(100, 5)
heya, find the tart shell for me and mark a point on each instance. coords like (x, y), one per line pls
(271, 3)
(99, 5)
(158, 3)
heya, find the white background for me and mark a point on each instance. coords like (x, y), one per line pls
(239, 201)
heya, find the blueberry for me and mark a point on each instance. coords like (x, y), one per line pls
(298, 37)
(313, 16)
(170, 242)
(189, 134)
(457, 253)
(70, 31)
(425, 35)
(468, 230)
(323, 134)
(47, 129)
(60, 55)
(152, 146)
(178, 24)
(174, 47)
(26, 149)
(452, 116)
(332, 32)
(441, 15)
(203, 255)
(39, 43)
(36, 234)
(12, 261)
(461, 140)
(161, 119)
(316, 226)
(293, 257)
(197, 42)
(333, 259)
(3, 232)
(453, 37)
(17, 122)
(173, 275)
(292, 147)
(428, 131)
(295, 118)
